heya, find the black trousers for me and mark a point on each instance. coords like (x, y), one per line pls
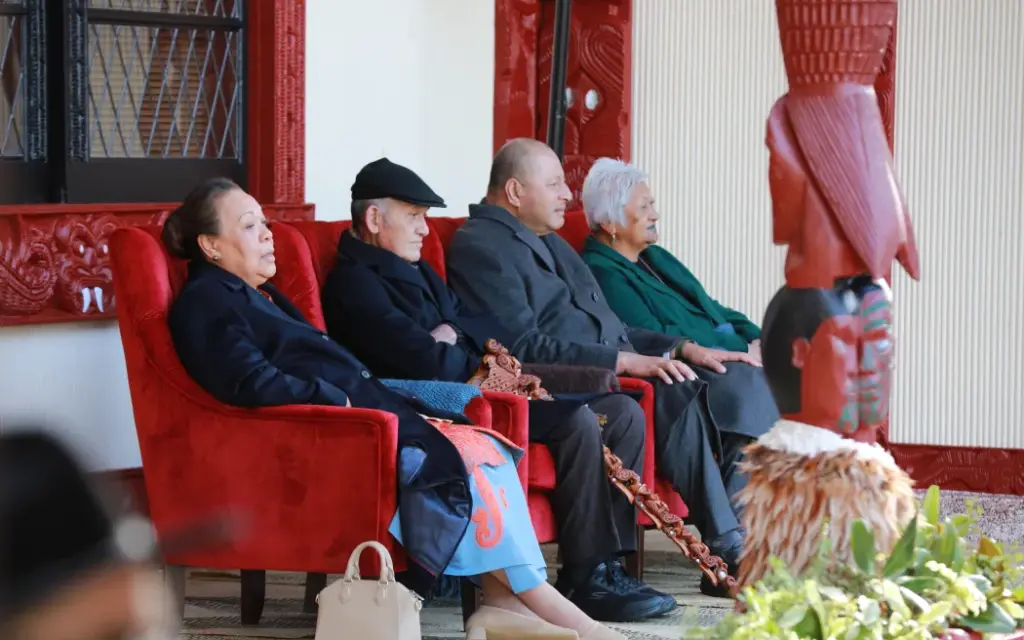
(698, 459)
(594, 519)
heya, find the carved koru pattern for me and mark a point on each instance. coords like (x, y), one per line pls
(500, 371)
(55, 260)
(597, 84)
(515, 72)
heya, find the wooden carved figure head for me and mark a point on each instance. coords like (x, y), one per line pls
(836, 201)
(828, 355)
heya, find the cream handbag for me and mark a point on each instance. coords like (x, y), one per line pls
(359, 609)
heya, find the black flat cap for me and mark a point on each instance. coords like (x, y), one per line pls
(385, 179)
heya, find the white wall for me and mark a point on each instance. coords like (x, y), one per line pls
(410, 79)
(705, 77)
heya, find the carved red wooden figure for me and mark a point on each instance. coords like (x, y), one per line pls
(827, 339)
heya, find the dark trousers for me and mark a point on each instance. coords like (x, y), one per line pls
(594, 519)
(698, 459)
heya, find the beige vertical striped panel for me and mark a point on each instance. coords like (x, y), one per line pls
(960, 155)
(705, 76)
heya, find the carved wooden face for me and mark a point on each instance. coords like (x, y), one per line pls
(828, 355)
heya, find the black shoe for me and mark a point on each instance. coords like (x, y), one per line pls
(728, 547)
(605, 599)
(621, 576)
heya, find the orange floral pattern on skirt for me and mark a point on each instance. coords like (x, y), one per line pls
(477, 449)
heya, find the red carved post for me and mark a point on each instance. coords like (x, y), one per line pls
(827, 336)
(277, 86)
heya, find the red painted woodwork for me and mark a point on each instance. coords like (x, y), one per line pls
(276, 159)
(55, 258)
(885, 87)
(600, 58)
(600, 46)
(49, 252)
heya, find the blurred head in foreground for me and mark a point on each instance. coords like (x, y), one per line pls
(68, 569)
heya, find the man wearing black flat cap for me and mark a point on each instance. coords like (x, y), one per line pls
(389, 307)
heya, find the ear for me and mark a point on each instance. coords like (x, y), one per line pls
(374, 219)
(609, 228)
(209, 245)
(513, 192)
(801, 349)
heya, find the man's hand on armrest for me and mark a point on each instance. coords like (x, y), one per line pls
(634, 364)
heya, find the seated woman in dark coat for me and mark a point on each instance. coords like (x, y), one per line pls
(645, 285)
(247, 345)
(380, 285)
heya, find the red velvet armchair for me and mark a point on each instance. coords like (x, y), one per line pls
(279, 468)
(542, 469)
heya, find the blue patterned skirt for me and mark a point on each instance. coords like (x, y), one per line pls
(500, 534)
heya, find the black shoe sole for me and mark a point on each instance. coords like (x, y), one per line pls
(605, 611)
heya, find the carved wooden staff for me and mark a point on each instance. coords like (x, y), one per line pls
(500, 371)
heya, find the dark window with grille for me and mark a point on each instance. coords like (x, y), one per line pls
(119, 100)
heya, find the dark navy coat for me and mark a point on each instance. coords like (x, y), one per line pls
(373, 292)
(250, 352)
(384, 308)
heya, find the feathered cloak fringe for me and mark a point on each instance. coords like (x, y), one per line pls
(804, 478)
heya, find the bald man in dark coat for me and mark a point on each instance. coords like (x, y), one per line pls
(508, 259)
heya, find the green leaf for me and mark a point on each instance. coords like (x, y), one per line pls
(993, 619)
(892, 596)
(903, 554)
(937, 612)
(862, 540)
(793, 616)
(920, 584)
(920, 603)
(1013, 609)
(945, 546)
(1018, 594)
(930, 505)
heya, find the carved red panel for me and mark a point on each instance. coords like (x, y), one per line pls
(598, 83)
(885, 87)
(55, 262)
(276, 160)
(984, 470)
(598, 78)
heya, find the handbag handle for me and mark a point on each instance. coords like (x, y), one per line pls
(387, 568)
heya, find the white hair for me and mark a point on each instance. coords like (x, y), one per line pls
(607, 189)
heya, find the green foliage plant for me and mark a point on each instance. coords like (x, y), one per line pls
(928, 584)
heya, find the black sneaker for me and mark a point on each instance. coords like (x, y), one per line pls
(621, 576)
(608, 600)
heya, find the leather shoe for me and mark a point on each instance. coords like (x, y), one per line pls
(604, 598)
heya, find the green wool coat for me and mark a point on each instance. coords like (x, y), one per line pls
(680, 307)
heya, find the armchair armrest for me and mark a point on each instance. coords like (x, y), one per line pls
(321, 477)
(510, 416)
(559, 378)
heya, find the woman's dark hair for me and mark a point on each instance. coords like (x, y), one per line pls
(196, 216)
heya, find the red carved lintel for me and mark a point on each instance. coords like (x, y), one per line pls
(516, 29)
(977, 469)
(55, 262)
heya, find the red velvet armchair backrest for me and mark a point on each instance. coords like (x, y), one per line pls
(146, 281)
